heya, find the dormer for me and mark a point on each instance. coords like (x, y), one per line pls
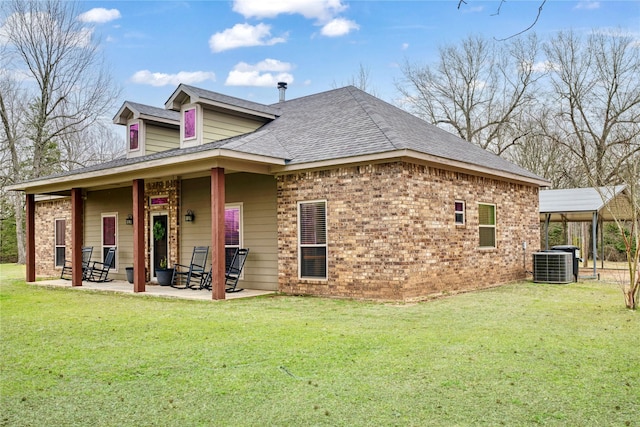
(149, 129)
(207, 116)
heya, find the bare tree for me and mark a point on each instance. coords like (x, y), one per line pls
(596, 92)
(625, 212)
(361, 80)
(56, 69)
(477, 89)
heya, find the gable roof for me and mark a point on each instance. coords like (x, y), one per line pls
(215, 99)
(147, 112)
(327, 129)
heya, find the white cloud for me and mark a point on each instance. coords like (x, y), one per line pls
(322, 10)
(266, 65)
(338, 27)
(404, 46)
(99, 15)
(587, 5)
(243, 35)
(162, 79)
(265, 73)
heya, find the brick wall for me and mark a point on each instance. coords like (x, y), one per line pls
(392, 233)
(46, 213)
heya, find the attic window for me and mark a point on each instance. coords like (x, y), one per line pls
(134, 131)
(190, 123)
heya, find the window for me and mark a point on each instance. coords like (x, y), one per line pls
(134, 132)
(487, 225)
(190, 123)
(459, 212)
(312, 235)
(232, 231)
(109, 235)
(61, 226)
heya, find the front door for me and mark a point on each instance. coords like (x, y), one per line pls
(160, 241)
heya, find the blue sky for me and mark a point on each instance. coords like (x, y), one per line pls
(243, 47)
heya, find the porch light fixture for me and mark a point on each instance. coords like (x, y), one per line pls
(129, 220)
(189, 216)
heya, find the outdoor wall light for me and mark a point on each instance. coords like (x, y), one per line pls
(129, 220)
(189, 216)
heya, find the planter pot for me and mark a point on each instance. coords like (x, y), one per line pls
(129, 271)
(164, 276)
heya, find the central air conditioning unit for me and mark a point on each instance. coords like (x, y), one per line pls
(552, 267)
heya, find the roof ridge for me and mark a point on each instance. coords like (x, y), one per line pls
(377, 118)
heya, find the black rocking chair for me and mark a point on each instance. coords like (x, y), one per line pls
(191, 276)
(232, 274)
(99, 271)
(87, 251)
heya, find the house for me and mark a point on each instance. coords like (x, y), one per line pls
(336, 194)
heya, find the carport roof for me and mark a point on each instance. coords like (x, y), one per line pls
(578, 204)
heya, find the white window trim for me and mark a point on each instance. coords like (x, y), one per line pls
(102, 246)
(195, 140)
(55, 245)
(494, 226)
(325, 245)
(241, 245)
(141, 137)
(463, 212)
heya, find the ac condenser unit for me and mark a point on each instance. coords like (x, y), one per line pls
(552, 267)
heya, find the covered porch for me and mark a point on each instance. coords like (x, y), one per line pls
(121, 190)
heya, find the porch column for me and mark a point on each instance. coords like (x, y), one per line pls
(76, 236)
(217, 233)
(31, 238)
(139, 276)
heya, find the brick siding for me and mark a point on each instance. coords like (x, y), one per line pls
(47, 211)
(392, 233)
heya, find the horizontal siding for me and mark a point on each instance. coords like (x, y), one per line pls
(217, 126)
(118, 201)
(257, 193)
(160, 138)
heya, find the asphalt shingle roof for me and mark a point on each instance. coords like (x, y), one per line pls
(332, 125)
(162, 113)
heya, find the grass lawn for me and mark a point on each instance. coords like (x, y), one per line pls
(522, 354)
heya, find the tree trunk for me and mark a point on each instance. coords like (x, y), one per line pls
(18, 208)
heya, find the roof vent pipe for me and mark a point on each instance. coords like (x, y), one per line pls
(282, 87)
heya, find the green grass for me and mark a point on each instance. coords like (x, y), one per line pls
(522, 354)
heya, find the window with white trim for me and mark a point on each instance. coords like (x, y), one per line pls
(459, 212)
(109, 235)
(312, 239)
(487, 225)
(189, 123)
(232, 231)
(60, 242)
(134, 134)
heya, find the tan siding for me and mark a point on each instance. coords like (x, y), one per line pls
(117, 201)
(257, 193)
(159, 138)
(217, 126)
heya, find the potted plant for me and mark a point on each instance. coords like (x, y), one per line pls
(164, 274)
(129, 271)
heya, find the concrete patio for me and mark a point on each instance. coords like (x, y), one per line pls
(154, 290)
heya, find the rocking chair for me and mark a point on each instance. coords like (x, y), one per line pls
(87, 251)
(99, 271)
(191, 275)
(232, 274)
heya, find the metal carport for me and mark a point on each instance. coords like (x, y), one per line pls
(592, 204)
